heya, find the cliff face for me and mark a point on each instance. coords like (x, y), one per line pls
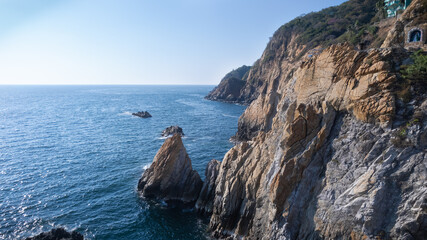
(328, 149)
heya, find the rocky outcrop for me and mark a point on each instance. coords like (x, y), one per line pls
(171, 177)
(57, 234)
(346, 78)
(230, 86)
(172, 130)
(328, 151)
(204, 204)
(142, 114)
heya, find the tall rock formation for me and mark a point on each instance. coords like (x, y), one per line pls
(329, 150)
(171, 177)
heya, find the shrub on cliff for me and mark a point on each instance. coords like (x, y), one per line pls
(416, 72)
(414, 76)
(239, 73)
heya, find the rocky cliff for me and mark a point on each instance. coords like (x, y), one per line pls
(329, 150)
(355, 21)
(334, 142)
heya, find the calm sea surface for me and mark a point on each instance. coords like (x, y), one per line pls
(71, 156)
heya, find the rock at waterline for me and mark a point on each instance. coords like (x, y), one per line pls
(142, 114)
(57, 234)
(204, 204)
(171, 177)
(169, 131)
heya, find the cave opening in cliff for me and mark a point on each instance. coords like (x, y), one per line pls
(415, 36)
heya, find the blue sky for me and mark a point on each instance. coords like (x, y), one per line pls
(137, 41)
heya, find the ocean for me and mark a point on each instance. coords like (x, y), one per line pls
(71, 156)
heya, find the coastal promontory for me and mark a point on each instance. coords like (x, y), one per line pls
(230, 86)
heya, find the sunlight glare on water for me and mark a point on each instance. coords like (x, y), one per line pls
(71, 156)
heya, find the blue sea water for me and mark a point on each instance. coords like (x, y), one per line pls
(71, 156)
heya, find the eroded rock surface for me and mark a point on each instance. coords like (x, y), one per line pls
(171, 177)
(204, 204)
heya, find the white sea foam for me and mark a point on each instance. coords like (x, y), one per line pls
(163, 138)
(146, 166)
(125, 113)
(231, 116)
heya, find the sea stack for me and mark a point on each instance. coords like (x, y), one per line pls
(171, 177)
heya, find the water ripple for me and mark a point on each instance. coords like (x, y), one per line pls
(72, 156)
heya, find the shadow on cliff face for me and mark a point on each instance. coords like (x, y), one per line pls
(300, 223)
(355, 186)
(316, 191)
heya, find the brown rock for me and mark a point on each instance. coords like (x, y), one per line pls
(171, 177)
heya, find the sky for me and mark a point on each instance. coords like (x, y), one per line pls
(137, 41)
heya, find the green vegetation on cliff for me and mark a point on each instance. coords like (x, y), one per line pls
(416, 72)
(348, 22)
(239, 73)
(414, 77)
